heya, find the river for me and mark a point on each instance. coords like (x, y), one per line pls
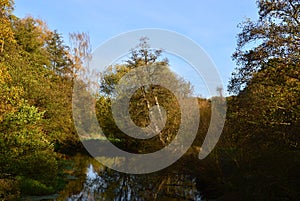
(88, 180)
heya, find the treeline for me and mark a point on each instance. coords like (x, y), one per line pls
(258, 155)
(152, 107)
(36, 75)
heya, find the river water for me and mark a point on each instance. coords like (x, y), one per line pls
(88, 180)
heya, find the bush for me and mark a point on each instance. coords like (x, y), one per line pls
(34, 187)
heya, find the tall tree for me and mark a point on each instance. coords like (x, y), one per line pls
(80, 52)
(26, 151)
(275, 35)
(269, 73)
(59, 55)
(147, 96)
(6, 33)
(263, 119)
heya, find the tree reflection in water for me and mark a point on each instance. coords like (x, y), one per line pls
(106, 184)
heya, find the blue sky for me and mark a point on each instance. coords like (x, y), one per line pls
(211, 24)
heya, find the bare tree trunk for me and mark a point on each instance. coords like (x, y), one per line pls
(161, 119)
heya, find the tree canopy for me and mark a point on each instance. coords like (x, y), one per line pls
(275, 35)
(142, 56)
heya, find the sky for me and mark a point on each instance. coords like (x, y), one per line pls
(211, 24)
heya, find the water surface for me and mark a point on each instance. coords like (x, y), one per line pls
(91, 181)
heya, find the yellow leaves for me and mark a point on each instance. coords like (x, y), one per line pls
(36, 29)
(43, 28)
(6, 33)
(4, 75)
(6, 7)
(9, 95)
(80, 52)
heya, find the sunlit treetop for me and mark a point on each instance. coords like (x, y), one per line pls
(275, 35)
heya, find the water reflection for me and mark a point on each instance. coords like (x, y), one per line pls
(100, 183)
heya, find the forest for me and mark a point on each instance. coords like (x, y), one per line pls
(256, 158)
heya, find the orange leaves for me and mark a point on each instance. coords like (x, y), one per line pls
(80, 52)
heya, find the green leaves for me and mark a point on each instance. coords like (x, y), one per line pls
(25, 115)
(23, 142)
(154, 66)
(35, 98)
